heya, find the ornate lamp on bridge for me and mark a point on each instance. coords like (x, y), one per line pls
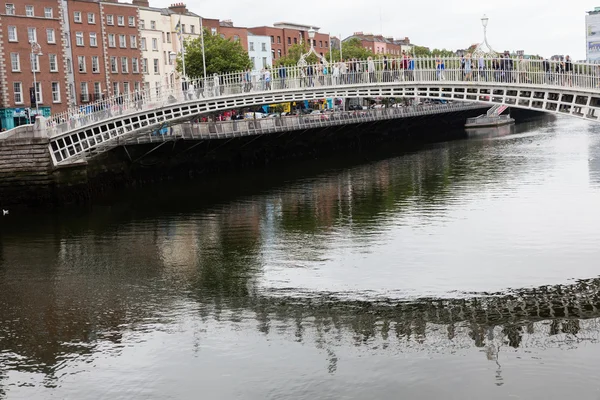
(302, 61)
(36, 52)
(484, 49)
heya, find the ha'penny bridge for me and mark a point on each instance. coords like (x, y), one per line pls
(555, 87)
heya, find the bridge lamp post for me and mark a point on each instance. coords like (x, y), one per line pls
(173, 58)
(36, 51)
(484, 22)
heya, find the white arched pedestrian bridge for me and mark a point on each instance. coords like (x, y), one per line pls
(548, 86)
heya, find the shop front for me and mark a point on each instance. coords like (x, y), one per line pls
(12, 117)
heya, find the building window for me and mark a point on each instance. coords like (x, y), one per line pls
(50, 37)
(163, 37)
(154, 44)
(126, 88)
(113, 65)
(251, 46)
(93, 39)
(153, 25)
(15, 62)
(133, 41)
(236, 38)
(142, 24)
(136, 86)
(314, 42)
(143, 43)
(168, 37)
(52, 59)
(35, 62)
(289, 40)
(320, 43)
(134, 65)
(31, 35)
(122, 41)
(79, 38)
(111, 40)
(182, 28)
(273, 54)
(97, 90)
(124, 65)
(120, 20)
(222, 35)
(115, 88)
(91, 18)
(77, 16)
(157, 88)
(272, 39)
(165, 59)
(38, 93)
(278, 39)
(132, 22)
(295, 40)
(156, 69)
(192, 28)
(264, 47)
(279, 53)
(29, 11)
(213, 31)
(144, 65)
(326, 44)
(18, 92)
(81, 64)
(48, 12)
(264, 62)
(10, 9)
(55, 92)
(95, 65)
(85, 95)
(110, 20)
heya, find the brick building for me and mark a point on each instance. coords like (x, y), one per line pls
(234, 33)
(380, 44)
(284, 35)
(23, 22)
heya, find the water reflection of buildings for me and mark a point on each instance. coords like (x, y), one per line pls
(87, 286)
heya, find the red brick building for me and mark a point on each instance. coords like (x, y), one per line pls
(284, 35)
(23, 22)
(121, 23)
(234, 33)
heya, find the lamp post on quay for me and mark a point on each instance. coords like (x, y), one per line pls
(36, 51)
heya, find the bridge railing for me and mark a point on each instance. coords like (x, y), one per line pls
(541, 73)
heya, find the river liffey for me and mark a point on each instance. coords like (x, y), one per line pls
(462, 270)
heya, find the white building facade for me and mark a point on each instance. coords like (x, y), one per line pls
(161, 45)
(259, 51)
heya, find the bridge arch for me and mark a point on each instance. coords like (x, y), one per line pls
(580, 99)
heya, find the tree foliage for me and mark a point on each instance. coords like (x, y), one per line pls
(294, 53)
(351, 49)
(222, 56)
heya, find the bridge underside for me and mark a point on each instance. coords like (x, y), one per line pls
(85, 141)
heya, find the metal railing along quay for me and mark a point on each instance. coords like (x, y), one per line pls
(288, 123)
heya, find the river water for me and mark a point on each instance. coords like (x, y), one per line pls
(463, 270)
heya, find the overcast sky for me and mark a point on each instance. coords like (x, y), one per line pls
(544, 27)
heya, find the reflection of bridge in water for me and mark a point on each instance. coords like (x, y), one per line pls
(101, 278)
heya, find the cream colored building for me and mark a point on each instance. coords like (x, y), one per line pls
(161, 44)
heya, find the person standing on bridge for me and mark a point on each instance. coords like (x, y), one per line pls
(267, 79)
(371, 69)
(282, 75)
(440, 68)
(568, 71)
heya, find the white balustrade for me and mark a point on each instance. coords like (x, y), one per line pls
(506, 72)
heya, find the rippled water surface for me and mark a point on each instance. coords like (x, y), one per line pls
(464, 270)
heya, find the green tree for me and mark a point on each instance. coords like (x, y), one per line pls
(421, 51)
(351, 49)
(294, 53)
(222, 56)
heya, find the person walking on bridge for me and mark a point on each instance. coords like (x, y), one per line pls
(282, 75)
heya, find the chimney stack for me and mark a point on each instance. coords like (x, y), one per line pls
(178, 8)
(141, 3)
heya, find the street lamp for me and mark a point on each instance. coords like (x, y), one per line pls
(36, 51)
(480, 51)
(302, 61)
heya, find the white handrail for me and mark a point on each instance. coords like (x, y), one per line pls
(505, 71)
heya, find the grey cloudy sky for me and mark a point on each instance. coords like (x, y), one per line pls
(544, 27)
